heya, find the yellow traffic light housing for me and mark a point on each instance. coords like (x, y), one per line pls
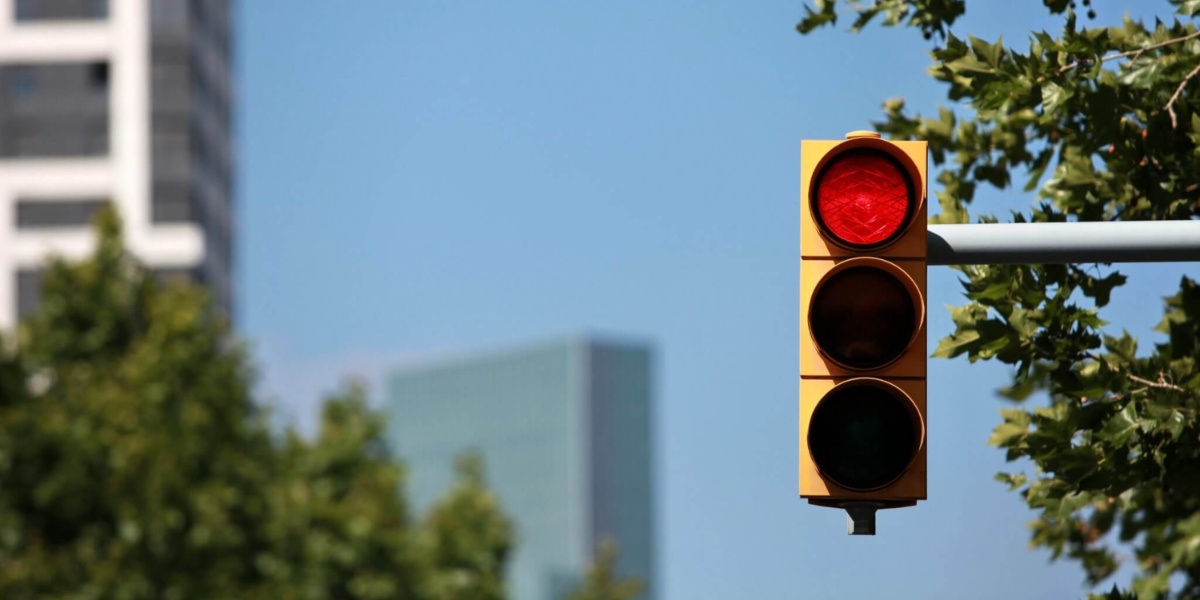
(862, 324)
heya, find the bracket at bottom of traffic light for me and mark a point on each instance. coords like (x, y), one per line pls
(860, 515)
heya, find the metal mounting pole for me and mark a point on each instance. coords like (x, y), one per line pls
(1046, 243)
(860, 517)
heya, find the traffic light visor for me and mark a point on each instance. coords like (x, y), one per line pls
(865, 313)
(863, 199)
(864, 434)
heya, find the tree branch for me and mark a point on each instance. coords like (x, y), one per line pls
(1179, 90)
(1134, 53)
(1159, 384)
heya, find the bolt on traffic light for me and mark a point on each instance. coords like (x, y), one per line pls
(862, 325)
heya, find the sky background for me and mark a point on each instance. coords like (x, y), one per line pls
(425, 178)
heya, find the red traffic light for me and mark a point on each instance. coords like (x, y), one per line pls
(863, 259)
(863, 199)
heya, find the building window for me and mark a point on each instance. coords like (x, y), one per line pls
(60, 10)
(20, 82)
(29, 292)
(166, 14)
(49, 213)
(99, 75)
(54, 110)
(173, 202)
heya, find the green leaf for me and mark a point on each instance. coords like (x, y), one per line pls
(1054, 96)
(1013, 481)
(1101, 289)
(1120, 426)
(1187, 8)
(1122, 350)
(1007, 434)
(989, 52)
(1175, 424)
(825, 14)
(954, 345)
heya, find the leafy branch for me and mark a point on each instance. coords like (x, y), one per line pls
(1129, 53)
(1113, 433)
(1178, 91)
(1160, 384)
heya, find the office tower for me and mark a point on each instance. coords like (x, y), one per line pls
(115, 101)
(566, 432)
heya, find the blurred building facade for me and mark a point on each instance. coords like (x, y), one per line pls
(127, 102)
(566, 432)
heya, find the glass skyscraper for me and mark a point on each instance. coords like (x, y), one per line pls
(566, 431)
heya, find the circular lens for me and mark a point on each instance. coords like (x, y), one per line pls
(863, 436)
(863, 317)
(863, 198)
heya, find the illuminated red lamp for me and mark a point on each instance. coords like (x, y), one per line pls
(863, 199)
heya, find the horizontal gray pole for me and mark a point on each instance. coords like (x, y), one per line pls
(1045, 243)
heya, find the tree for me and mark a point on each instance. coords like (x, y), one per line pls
(134, 462)
(338, 525)
(1102, 122)
(470, 538)
(601, 582)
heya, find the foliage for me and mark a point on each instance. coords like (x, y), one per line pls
(134, 463)
(470, 537)
(337, 525)
(1103, 123)
(601, 582)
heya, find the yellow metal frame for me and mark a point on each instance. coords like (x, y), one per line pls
(905, 257)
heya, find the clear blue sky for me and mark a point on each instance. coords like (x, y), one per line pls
(426, 177)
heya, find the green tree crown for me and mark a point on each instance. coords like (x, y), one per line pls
(135, 463)
(1098, 123)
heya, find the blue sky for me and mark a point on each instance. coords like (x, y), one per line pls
(431, 177)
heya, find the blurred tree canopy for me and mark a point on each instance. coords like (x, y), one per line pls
(1101, 122)
(602, 581)
(134, 463)
(469, 538)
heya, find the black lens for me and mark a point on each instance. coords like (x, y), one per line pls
(862, 437)
(863, 317)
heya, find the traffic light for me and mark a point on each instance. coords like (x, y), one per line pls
(862, 325)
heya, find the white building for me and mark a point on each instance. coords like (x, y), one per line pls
(121, 101)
